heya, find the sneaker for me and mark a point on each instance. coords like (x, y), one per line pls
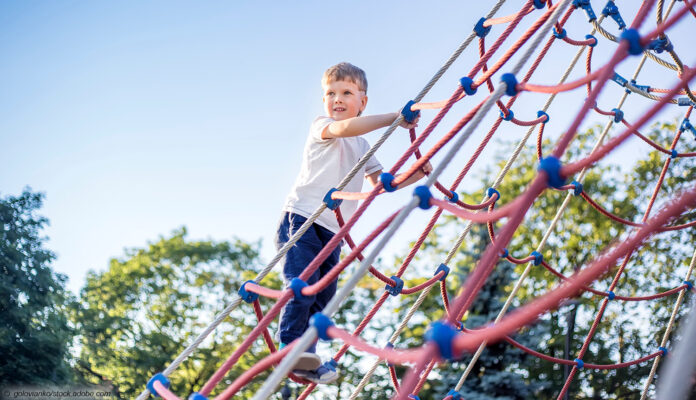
(307, 362)
(326, 373)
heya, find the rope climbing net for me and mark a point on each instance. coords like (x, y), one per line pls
(449, 339)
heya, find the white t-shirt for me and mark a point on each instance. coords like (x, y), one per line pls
(325, 162)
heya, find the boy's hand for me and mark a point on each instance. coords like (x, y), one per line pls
(410, 125)
(427, 168)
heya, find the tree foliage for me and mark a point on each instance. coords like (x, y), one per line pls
(34, 330)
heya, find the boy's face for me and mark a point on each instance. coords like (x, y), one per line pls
(343, 100)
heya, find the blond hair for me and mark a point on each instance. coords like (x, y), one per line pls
(345, 71)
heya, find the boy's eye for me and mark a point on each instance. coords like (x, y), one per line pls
(347, 93)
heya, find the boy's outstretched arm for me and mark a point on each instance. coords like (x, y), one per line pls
(373, 178)
(357, 126)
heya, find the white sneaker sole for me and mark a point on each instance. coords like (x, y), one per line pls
(307, 362)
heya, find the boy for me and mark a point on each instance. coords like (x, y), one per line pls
(333, 147)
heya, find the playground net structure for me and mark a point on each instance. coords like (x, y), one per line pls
(495, 85)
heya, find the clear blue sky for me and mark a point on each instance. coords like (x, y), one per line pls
(136, 118)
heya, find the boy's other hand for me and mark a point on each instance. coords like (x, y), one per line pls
(410, 125)
(427, 168)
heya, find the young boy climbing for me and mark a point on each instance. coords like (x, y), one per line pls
(332, 148)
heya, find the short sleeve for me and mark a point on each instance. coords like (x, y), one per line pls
(318, 127)
(372, 164)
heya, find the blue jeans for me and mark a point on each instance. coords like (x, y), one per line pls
(295, 317)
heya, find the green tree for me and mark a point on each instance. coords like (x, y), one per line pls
(34, 330)
(136, 316)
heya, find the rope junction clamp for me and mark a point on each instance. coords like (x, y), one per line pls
(588, 37)
(611, 295)
(560, 35)
(511, 82)
(296, 284)
(540, 113)
(332, 204)
(247, 296)
(577, 188)
(660, 44)
(685, 102)
(552, 166)
(510, 115)
(460, 326)
(585, 5)
(413, 397)
(158, 377)
(454, 197)
(505, 253)
(480, 30)
(423, 193)
(579, 363)
(455, 395)
(409, 115)
(663, 350)
(611, 10)
(389, 345)
(538, 257)
(618, 115)
(686, 125)
(442, 334)
(467, 83)
(442, 267)
(538, 4)
(386, 178)
(490, 192)
(619, 79)
(398, 286)
(674, 154)
(689, 285)
(322, 323)
(197, 396)
(644, 88)
(633, 38)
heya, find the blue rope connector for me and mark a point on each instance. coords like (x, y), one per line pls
(505, 253)
(454, 197)
(322, 323)
(296, 284)
(618, 115)
(442, 334)
(423, 193)
(538, 257)
(538, 4)
(541, 113)
(413, 397)
(552, 166)
(685, 102)
(511, 82)
(560, 35)
(585, 5)
(674, 154)
(577, 188)
(247, 296)
(588, 37)
(686, 126)
(480, 30)
(663, 350)
(645, 88)
(460, 326)
(619, 79)
(611, 295)
(409, 116)
(158, 377)
(396, 289)
(579, 363)
(389, 345)
(491, 191)
(197, 396)
(689, 285)
(510, 115)
(468, 83)
(455, 395)
(611, 10)
(332, 204)
(442, 267)
(659, 45)
(633, 38)
(386, 178)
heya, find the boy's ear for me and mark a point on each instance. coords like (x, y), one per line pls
(363, 103)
